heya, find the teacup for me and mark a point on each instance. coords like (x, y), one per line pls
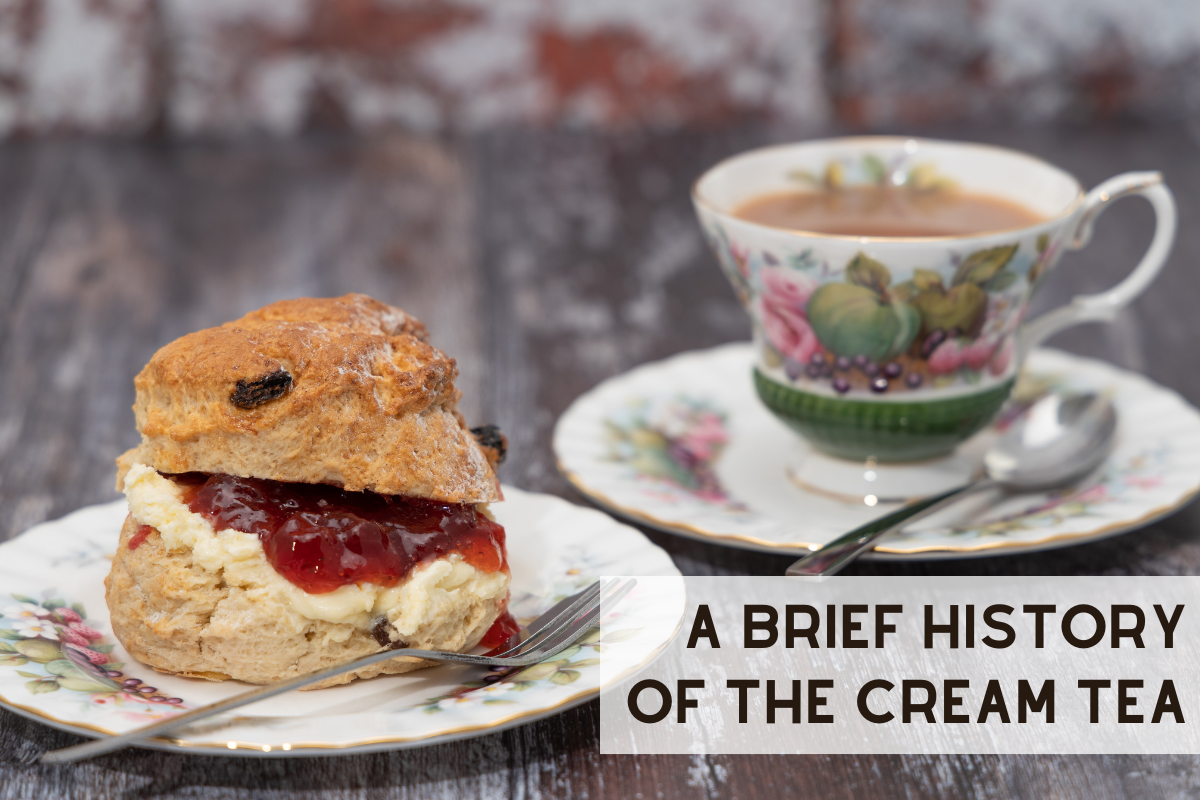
(900, 348)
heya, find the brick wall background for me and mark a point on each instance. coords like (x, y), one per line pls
(221, 67)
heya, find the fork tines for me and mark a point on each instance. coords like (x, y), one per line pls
(556, 634)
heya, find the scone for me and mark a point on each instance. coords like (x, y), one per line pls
(305, 493)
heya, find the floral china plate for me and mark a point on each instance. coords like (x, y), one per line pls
(60, 664)
(684, 445)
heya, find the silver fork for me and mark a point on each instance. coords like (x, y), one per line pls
(546, 636)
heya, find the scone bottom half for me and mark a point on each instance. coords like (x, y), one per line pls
(221, 577)
(305, 493)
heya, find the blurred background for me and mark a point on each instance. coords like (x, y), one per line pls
(229, 67)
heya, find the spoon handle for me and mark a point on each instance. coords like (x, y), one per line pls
(833, 557)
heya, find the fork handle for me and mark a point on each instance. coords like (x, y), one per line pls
(532, 649)
(107, 745)
(835, 556)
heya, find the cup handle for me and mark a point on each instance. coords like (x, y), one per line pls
(1103, 307)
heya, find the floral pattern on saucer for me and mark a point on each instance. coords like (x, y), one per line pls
(70, 654)
(865, 324)
(672, 444)
(1056, 508)
(1154, 469)
(555, 549)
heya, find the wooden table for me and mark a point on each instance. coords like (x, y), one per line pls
(545, 262)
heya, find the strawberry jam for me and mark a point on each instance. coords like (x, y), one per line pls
(136, 540)
(504, 627)
(321, 537)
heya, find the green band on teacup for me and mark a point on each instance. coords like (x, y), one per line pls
(885, 431)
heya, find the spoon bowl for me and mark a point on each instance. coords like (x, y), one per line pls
(1061, 439)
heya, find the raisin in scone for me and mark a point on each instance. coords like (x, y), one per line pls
(305, 492)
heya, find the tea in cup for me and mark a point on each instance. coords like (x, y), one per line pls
(888, 280)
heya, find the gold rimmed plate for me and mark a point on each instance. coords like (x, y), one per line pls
(683, 445)
(60, 664)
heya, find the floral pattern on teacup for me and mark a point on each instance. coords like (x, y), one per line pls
(869, 332)
(861, 325)
(871, 169)
(784, 319)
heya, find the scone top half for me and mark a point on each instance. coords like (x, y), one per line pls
(344, 391)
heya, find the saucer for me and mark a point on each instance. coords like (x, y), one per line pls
(683, 445)
(52, 580)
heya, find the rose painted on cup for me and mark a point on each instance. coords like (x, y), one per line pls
(784, 299)
(899, 347)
